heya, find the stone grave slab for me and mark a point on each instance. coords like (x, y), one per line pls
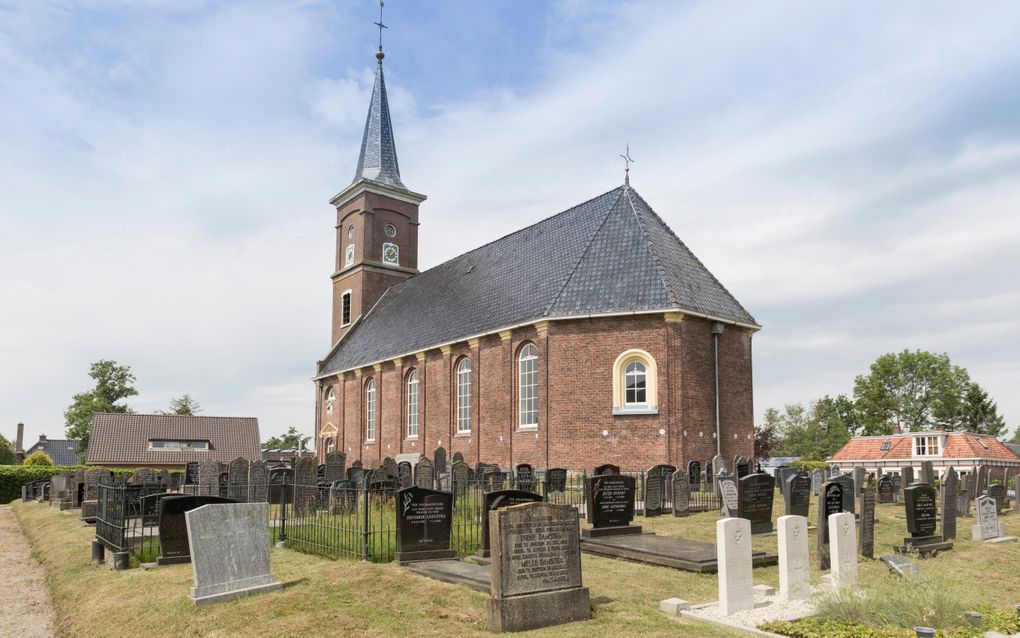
(456, 572)
(989, 527)
(681, 494)
(950, 498)
(665, 551)
(901, 565)
(885, 489)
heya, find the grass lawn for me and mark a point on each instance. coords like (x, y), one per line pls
(346, 597)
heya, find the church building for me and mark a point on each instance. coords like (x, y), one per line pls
(594, 336)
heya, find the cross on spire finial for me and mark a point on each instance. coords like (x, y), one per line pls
(379, 55)
(627, 160)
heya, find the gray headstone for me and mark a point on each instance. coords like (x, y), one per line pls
(949, 501)
(459, 476)
(390, 466)
(238, 480)
(258, 482)
(756, 494)
(305, 490)
(817, 478)
(901, 565)
(847, 484)
(859, 477)
(927, 473)
(209, 478)
(866, 539)
(729, 494)
(886, 489)
(405, 476)
(963, 496)
(908, 477)
(229, 551)
(998, 492)
(798, 494)
(536, 568)
(988, 519)
(681, 494)
(424, 474)
(336, 467)
(440, 460)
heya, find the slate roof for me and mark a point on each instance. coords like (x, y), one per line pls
(60, 451)
(378, 158)
(959, 445)
(124, 438)
(609, 254)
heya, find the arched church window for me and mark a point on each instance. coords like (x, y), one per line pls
(412, 404)
(527, 386)
(330, 400)
(464, 396)
(370, 410)
(635, 384)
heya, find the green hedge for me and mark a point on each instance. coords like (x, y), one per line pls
(808, 466)
(12, 477)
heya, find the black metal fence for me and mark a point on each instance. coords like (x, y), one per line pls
(127, 517)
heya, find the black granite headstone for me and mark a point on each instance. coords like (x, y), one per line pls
(555, 480)
(610, 505)
(173, 530)
(496, 500)
(424, 520)
(694, 474)
(830, 501)
(524, 477)
(922, 511)
(798, 494)
(755, 494)
(886, 489)
(439, 458)
(608, 468)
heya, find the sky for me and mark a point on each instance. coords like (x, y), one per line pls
(850, 172)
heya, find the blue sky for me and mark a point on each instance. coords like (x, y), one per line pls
(849, 172)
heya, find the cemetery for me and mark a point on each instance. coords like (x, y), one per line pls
(566, 553)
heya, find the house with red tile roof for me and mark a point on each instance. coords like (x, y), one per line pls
(964, 451)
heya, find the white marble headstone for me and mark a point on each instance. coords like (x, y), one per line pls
(229, 551)
(733, 547)
(988, 520)
(794, 574)
(843, 548)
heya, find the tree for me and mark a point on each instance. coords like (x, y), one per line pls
(38, 458)
(113, 383)
(766, 437)
(291, 440)
(981, 414)
(817, 432)
(7, 456)
(183, 406)
(911, 391)
(1016, 436)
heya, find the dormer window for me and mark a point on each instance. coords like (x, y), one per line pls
(926, 446)
(169, 444)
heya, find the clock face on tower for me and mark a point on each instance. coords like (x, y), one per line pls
(391, 254)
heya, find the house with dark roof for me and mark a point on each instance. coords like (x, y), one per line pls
(594, 336)
(963, 451)
(165, 441)
(61, 451)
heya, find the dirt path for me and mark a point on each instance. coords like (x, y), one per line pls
(27, 611)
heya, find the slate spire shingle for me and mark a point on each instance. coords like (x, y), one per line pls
(378, 159)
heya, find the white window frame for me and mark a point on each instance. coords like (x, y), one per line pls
(348, 299)
(623, 407)
(330, 400)
(330, 445)
(927, 445)
(527, 387)
(412, 403)
(464, 396)
(349, 256)
(643, 376)
(370, 410)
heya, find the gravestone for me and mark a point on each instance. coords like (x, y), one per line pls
(258, 482)
(694, 475)
(709, 477)
(459, 477)
(405, 477)
(949, 500)
(783, 473)
(817, 478)
(927, 473)
(885, 489)
(424, 474)
(798, 494)
(998, 492)
(391, 468)
(498, 500)
(963, 496)
(555, 480)
(743, 467)
(610, 507)
(224, 484)
(867, 537)
(736, 583)
(830, 501)
(920, 502)
(173, 531)
(729, 494)
(164, 477)
(536, 568)
(209, 478)
(191, 473)
(336, 467)
(755, 496)
(424, 520)
(606, 469)
(439, 459)
(988, 526)
(229, 551)
(457, 456)
(843, 540)
(858, 481)
(794, 572)
(143, 475)
(305, 489)
(907, 474)
(897, 483)
(901, 565)
(654, 493)
(524, 477)
(719, 467)
(847, 483)
(681, 494)
(238, 477)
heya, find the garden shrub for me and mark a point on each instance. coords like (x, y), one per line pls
(12, 477)
(38, 458)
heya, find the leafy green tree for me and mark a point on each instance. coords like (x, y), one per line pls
(981, 414)
(766, 436)
(291, 440)
(912, 391)
(114, 383)
(38, 458)
(7, 456)
(1016, 436)
(183, 406)
(817, 432)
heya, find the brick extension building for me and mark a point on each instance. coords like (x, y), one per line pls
(590, 337)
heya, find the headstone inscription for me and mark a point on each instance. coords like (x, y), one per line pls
(238, 471)
(498, 500)
(191, 473)
(729, 494)
(258, 482)
(885, 489)
(173, 531)
(756, 493)
(830, 501)
(536, 568)
(654, 492)
(424, 474)
(988, 526)
(998, 492)
(949, 500)
(555, 480)
(733, 549)
(610, 506)
(867, 508)
(794, 573)
(606, 469)
(524, 477)
(847, 483)
(920, 503)
(798, 494)
(424, 520)
(681, 494)
(229, 551)
(209, 478)
(843, 539)
(817, 478)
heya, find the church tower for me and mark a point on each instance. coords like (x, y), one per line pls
(376, 220)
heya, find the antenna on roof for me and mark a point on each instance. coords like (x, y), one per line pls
(627, 160)
(379, 55)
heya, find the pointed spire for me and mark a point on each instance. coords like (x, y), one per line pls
(378, 159)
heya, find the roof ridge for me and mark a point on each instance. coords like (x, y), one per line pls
(587, 247)
(695, 257)
(659, 268)
(196, 416)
